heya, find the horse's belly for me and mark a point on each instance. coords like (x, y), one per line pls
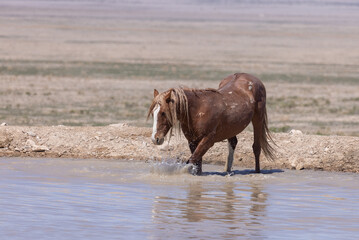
(234, 123)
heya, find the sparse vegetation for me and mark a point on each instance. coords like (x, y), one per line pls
(284, 129)
(117, 70)
(104, 70)
(158, 71)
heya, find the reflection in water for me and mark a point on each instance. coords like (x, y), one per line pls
(258, 199)
(235, 207)
(193, 206)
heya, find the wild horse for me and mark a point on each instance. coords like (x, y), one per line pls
(207, 116)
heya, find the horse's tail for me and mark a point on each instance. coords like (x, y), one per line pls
(266, 138)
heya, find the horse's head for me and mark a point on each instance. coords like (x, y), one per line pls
(162, 110)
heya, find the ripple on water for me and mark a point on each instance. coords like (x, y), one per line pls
(106, 199)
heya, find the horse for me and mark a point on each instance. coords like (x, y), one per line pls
(207, 116)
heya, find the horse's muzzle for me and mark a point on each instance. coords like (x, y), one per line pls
(158, 141)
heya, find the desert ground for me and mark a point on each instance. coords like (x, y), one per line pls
(90, 64)
(294, 150)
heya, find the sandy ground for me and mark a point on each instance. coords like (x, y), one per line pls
(96, 63)
(120, 141)
(314, 108)
(92, 63)
(316, 37)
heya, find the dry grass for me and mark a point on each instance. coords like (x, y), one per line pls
(60, 66)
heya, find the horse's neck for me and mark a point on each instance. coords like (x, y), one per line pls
(184, 118)
(182, 115)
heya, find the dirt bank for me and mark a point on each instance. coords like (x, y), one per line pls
(120, 141)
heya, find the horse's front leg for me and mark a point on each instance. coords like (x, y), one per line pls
(192, 146)
(198, 152)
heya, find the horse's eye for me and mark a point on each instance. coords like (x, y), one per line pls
(163, 114)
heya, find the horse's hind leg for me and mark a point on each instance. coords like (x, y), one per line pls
(257, 152)
(232, 143)
(258, 131)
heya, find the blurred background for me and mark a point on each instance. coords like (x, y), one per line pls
(96, 62)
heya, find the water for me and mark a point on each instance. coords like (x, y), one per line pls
(102, 199)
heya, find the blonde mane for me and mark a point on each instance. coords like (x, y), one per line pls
(177, 109)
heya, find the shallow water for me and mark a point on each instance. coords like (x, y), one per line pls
(103, 199)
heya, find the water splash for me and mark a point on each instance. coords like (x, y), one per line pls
(171, 167)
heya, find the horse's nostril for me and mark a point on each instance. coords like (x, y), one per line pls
(157, 140)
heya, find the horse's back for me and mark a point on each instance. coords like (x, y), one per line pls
(244, 83)
(229, 109)
(239, 79)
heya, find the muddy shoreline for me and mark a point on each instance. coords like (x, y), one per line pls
(121, 141)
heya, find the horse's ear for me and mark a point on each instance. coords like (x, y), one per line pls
(168, 97)
(155, 93)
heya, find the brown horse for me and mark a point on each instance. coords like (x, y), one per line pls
(207, 116)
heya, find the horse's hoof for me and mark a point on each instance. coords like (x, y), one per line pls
(194, 170)
(198, 172)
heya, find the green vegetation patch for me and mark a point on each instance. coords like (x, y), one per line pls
(304, 78)
(158, 71)
(284, 129)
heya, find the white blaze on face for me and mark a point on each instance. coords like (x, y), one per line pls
(155, 118)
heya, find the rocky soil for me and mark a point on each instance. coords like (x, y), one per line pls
(121, 141)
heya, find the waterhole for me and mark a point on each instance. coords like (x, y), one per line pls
(113, 199)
